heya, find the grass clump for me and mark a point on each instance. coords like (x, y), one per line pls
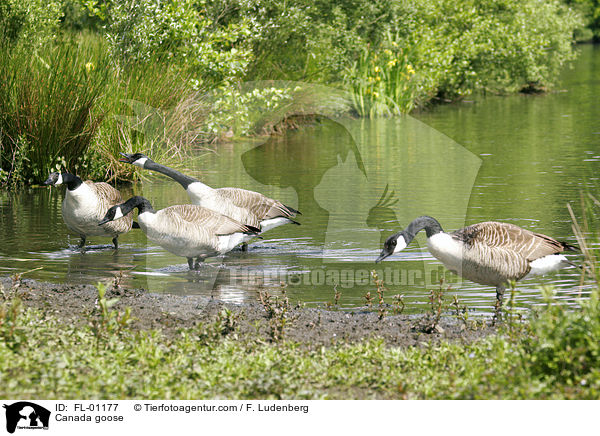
(47, 102)
(564, 345)
(42, 356)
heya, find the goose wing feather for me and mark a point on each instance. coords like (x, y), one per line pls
(107, 197)
(260, 205)
(106, 194)
(212, 222)
(529, 245)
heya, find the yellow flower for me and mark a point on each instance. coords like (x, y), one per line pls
(394, 43)
(391, 63)
(387, 52)
(377, 69)
(410, 69)
(90, 66)
(375, 94)
(378, 78)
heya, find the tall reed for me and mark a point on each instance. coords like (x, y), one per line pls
(382, 82)
(69, 107)
(47, 99)
(150, 107)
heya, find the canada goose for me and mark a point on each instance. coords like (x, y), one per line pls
(185, 230)
(488, 253)
(247, 207)
(86, 203)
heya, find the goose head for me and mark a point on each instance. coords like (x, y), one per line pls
(54, 179)
(394, 244)
(137, 159)
(112, 214)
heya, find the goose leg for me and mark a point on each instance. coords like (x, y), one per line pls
(498, 308)
(116, 244)
(82, 242)
(245, 247)
(191, 262)
(199, 260)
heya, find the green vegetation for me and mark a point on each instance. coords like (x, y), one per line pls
(84, 80)
(590, 10)
(66, 108)
(554, 356)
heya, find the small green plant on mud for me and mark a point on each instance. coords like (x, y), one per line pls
(382, 310)
(398, 304)
(226, 323)
(462, 314)
(109, 322)
(515, 323)
(430, 323)
(278, 310)
(336, 299)
(10, 309)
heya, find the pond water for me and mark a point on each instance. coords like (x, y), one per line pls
(516, 159)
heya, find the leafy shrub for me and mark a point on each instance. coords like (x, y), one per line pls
(179, 32)
(565, 342)
(590, 10)
(453, 47)
(30, 22)
(487, 47)
(243, 112)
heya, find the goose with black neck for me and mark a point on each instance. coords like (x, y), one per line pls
(187, 230)
(247, 207)
(489, 253)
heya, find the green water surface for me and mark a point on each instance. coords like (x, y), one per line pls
(517, 159)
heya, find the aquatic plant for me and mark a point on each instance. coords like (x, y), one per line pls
(383, 82)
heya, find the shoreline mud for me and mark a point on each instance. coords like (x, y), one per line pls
(308, 326)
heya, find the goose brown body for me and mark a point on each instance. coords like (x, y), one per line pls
(490, 253)
(185, 230)
(494, 253)
(86, 203)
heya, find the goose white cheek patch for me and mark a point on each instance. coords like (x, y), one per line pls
(400, 244)
(118, 213)
(140, 162)
(59, 180)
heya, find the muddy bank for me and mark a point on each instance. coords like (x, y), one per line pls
(169, 313)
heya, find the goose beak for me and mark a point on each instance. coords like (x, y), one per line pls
(127, 157)
(382, 256)
(104, 221)
(48, 181)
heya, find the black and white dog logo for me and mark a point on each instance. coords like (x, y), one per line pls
(26, 415)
